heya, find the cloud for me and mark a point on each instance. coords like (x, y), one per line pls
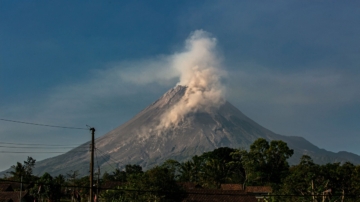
(100, 91)
(200, 72)
(145, 71)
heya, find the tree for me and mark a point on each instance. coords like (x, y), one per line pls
(266, 164)
(300, 181)
(156, 184)
(346, 175)
(173, 166)
(133, 169)
(72, 179)
(47, 188)
(116, 175)
(190, 170)
(18, 171)
(23, 171)
(29, 164)
(72, 176)
(214, 173)
(186, 171)
(219, 168)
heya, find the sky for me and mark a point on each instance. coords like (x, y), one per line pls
(291, 66)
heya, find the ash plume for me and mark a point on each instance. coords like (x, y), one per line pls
(199, 69)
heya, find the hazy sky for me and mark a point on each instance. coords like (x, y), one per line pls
(292, 66)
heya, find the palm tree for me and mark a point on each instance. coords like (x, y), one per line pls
(185, 171)
(18, 171)
(216, 172)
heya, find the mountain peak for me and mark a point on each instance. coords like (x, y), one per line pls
(172, 96)
(198, 129)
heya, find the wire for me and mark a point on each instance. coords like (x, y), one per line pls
(34, 147)
(192, 192)
(106, 161)
(110, 158)
(45, 125)
(97, 162)
(55, 145)
(22, 152)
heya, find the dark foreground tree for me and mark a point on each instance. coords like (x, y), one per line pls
(47, 188)
(265, 164)
(156, 184)
(312, 182)
(23, 171)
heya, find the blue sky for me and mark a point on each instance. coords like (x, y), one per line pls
(293, 66)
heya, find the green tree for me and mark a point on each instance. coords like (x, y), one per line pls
(219, 167)
(116, 175)
(190, 171)
(133, 169)
(214, 173)
(23, 171)
(306, 179)
(47, 188)
(156, 184)
(29, 164)
(346, 174)
(72, 178)
(186, 170)
(266, 164)
(355, 181)
(119, 175)
(330, 182)
(173, 166)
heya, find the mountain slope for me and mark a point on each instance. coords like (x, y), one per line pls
(140, 141)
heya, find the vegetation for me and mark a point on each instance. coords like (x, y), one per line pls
(265, 164)
(23, 171)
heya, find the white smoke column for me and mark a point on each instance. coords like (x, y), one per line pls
(200, 71)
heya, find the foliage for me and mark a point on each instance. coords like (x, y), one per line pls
(156, 184)
(133, 169)
(212, 169)
(330, 182)
(47, 187)
(173, 166)
(265, 164)
(23, 171)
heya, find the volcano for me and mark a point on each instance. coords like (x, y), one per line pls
(141, 141)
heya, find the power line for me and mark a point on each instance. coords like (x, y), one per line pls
(55, 145)
(97, 162)
(45, 125)
(42, 147)
(60, 152)
(106, 161)
(193, 192)
(110, 158)
(22, 152)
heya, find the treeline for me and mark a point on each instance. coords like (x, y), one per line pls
(265, 164)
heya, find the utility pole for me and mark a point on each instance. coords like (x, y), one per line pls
(97, 190)
(92, 164)
(20, 187)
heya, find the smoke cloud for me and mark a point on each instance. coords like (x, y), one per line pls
(199, 69)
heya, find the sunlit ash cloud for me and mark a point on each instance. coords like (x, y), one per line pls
(200, 71)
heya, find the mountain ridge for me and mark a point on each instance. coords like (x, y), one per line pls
(140, 141)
